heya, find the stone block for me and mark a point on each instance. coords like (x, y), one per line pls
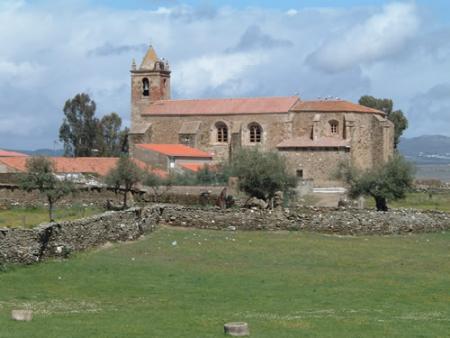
(22, 315)
(236, 329)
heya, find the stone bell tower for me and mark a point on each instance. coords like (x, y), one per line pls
(150, 82)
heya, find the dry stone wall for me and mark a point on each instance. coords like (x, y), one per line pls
(60, 239)
(332, 221)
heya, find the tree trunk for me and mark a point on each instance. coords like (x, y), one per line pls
(381, 203)
(125, 199)
(50, 209)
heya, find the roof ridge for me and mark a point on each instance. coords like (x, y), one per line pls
(230, 98)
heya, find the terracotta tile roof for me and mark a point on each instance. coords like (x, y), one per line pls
(175, 150)
(93, 165)
(333, 106)
(146, 167)
(192, 166)
(306, 142)
(7, 153)
(254, 105)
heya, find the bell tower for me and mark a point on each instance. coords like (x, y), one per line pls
(151, 81)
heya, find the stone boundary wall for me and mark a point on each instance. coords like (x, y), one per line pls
(60, 239)
(331, 221)
(12, 196)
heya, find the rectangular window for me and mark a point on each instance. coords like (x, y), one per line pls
(299, 173)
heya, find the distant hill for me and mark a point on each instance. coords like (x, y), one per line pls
(43, 152)
(429, 149)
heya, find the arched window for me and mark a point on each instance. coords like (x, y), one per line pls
(222, 132)
(255, 133)
(334, 126)
(145, 87)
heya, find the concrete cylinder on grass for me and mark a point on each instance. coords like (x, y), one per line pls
(22, 315)
(236, 329)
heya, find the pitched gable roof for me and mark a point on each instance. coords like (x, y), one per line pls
(175, 150)
(334, 106)
(87, 165)
(231, 106)
(7, 153)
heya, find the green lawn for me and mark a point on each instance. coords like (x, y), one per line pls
(282, 284)
(419, 200)
(30, 217)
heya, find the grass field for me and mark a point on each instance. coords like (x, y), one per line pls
(419, 200)
(282, 284)
(30, 217)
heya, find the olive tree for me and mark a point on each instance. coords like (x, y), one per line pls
(124, 176)
(261, 174)
(389, 181)
(40, 175)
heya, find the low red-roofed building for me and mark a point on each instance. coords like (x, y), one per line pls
(7, 153)
(171, 156)
(74, 165)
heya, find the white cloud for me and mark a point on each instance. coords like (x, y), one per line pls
(21, 74)
(380, 35)
(211, 71)
(52, 51)
(291, 12)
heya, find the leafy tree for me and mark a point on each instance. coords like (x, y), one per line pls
(126, 174)
(123, 140)
(390, 181)
(110, 137)
(387, 105)
(40, 175)
(78, 131)
(158, 184)
(261, 174)
(211, 175)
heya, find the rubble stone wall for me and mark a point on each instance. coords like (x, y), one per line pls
(326, 220)
(60, 239)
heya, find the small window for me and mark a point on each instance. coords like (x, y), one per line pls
(334, 126)
(299, 173)
(255, 133)
(222, 132)
(145, 87)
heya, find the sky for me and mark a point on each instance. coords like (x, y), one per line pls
(51, 50)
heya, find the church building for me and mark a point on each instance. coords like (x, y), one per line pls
(313, 135)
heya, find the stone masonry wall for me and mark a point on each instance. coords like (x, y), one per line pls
(60, 239)
(332, 221)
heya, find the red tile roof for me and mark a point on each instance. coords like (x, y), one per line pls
(254, 105)
(7, 153)
(306, 142)
(175, 150)
(333, 106)
(93, 165)
(192, 166)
